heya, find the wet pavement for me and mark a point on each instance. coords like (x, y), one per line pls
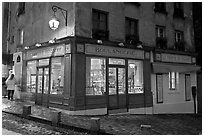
(120, 124)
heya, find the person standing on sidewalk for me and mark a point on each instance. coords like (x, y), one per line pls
(10, 82)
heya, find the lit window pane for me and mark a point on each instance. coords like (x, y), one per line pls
(173, 79)
(135, 77)
(57, 75)
(117, 61)
(95, 76)
(31, 76)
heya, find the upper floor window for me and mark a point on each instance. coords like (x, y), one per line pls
(160, 7)
(100, 25)
(160, 31)
(131, 31)
(161, 41)
(21, 8)
(178, 36)
(178, 10)
(134, 3)
(179, 41)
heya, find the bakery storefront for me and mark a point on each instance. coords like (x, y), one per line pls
(90, 79)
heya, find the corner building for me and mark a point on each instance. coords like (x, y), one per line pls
(110, 57)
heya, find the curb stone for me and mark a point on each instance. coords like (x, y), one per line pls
(62, 125)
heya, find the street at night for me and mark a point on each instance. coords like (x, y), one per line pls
(102, 68)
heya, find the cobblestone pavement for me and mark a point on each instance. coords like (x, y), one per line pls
(28, 127)
(124, 124)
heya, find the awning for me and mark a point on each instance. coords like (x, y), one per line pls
(172, 67)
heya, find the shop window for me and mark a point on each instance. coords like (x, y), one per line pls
(100, 25)
(57, 75)
(135, 77)
(131, 31)
(31, 76)
(95, 76)
(161, 41)
(173, 80)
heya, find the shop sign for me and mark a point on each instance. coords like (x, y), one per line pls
(46, 52)
(113, 51)
(175, 58)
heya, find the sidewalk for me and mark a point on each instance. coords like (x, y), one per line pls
(124, 124)
(8, 132)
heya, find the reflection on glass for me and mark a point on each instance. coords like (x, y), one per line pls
(95, 76)
(135, 77)
(112, 81)
(116, 61)
(121, 80)
(31, 76)
(40, 75)
(43, 62)
(57, 75)
(46, 81)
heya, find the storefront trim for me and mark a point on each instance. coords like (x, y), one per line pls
(47, 52)
(173, 67)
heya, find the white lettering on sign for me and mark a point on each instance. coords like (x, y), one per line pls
(45, 52)
(175, 58)
(113, 51)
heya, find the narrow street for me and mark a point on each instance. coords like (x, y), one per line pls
(27, 127)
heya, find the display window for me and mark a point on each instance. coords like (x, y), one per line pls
(57, 75)
(135, 77)
(95, 76)
(31, 76)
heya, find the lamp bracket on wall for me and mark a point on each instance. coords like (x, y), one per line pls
(63, 11)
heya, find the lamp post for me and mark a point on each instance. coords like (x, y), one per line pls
(54, 22)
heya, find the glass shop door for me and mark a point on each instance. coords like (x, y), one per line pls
(42, 89)
(117, 87)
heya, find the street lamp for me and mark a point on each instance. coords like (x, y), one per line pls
(54, 22)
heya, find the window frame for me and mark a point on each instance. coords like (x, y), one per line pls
(158, 27)
(186, 97)
(176, 35)
(160, 9)
(128, 24)
(21, 8)
(97, 22)
(171, 80)
(159, 100)
(178, 10)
